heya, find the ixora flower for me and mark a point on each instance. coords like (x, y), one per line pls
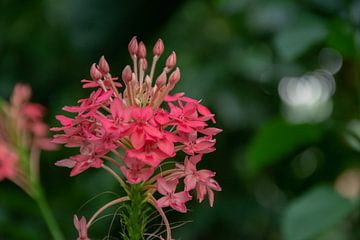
(23, 134)
(134, 134)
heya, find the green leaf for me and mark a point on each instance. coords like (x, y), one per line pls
(276, 139)
(295, 40)
(341, 38)
(314, 213)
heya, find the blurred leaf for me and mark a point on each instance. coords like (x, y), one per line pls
(276, 139)
(341, 37)
(314, 213)
(352, 134)
(271, 16)
(296, 39)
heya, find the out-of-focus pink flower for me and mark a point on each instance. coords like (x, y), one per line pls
(22, 129)
(81, 227)
(175, 200)
(21, 94)
(8, 161)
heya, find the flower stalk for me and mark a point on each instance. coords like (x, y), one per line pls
(39, 197)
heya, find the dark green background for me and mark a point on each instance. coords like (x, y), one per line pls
(232, 54)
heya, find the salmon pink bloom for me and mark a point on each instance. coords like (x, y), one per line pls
(175, 200)
(201, 180)
(136, 171)
(80, 163)
(91, 104)
(137, 130)
(143, 127)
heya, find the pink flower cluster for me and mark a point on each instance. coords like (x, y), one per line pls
(21, 129)
(139, 129)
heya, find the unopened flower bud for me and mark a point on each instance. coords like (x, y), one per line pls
(103, 65)
(133, 46)
(95, 73)
(127, 74)
(171, 60)
(161, 80)
(144, 63)
(158, 48)
(174, 77)
(142, 50)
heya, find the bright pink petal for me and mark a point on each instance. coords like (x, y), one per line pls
(211, 197)
(180, 207)
(190, 182)
(201, 191)
(152, 131)
(166, 187)
(163, 202)
(138, 138)
(182, 197)
(66, 163)
(166, 147)
(214, 185)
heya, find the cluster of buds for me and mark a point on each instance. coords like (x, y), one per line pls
(22, 135)
(135, 134)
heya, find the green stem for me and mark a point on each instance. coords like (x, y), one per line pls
(137, 212)
(49, 218)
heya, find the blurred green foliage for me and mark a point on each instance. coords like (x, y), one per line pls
(233, 54)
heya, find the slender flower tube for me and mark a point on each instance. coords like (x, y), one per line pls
(134, 133)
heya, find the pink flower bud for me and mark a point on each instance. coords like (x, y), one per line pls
(95, 73)
(144, 64)
(103, 65)
(127, 74)
(161, 80)
(158, 48)
(142, 50)
(133, 46)
(171, 61)
(174, 77)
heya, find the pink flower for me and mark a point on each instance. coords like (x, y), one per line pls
(91, 104)
(193, 144)
(143, 128)
(186, 117)
(80, 163)
(8, 161)
(136, 171)
(201, 180)
(174, 200)
(149, 154)
(121, 116)
(81, 227)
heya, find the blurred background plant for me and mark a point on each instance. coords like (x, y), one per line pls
(282, 76)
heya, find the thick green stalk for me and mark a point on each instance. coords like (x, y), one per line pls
(46, 212)
(136, 215)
